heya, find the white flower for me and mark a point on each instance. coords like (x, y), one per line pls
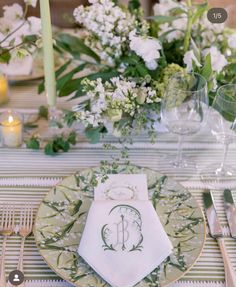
(178, 26)
(189, 58)
(232, 41)
(13, 12)
(147, 49)
(5, 26)
(113, 99)
(209, 32)
(31, 2)
(218, 60)
(108, 27)
(34, 25)
(164, 7)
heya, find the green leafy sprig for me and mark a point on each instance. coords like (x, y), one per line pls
(54, 146)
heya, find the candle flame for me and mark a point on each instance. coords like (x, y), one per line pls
(10, 119)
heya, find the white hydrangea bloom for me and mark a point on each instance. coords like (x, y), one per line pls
(218, 60)
(189, 57)
(13, 12)
(232, 41)
(32, 3)
(147, 49)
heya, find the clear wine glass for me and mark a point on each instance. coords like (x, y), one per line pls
(222, 122)
(184, 109)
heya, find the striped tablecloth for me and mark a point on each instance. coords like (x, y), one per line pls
(27, 176)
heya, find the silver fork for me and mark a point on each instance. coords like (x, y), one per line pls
(25, 228)
(7, 225)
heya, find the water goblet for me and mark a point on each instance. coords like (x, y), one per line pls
(222, 122)
(184, 110)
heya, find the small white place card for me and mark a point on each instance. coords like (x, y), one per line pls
(122, 187)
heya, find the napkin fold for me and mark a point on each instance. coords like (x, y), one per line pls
(123, 240)
(18, 67)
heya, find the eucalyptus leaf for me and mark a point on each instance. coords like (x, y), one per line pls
(94, 133)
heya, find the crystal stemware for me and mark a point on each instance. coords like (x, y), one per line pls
(184, 109)
(222, 122)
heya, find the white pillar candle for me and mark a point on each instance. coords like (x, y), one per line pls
(48, 55)
(11, 130)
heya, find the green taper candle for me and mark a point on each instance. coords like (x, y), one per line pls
(48, 55)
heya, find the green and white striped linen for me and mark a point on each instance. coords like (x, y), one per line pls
(26, 176)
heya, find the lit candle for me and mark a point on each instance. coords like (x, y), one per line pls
(11, 130)
(48, 57)
(3, 90)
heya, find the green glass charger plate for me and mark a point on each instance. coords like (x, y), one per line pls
(62, 216)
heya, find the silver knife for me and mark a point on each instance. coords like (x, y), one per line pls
(230, 210)
(216, 232)
(213, 221)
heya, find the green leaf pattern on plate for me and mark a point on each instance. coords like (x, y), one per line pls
(62, 216)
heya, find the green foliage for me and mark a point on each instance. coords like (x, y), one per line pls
(75, 46)
(33, 143)
(134, 5)
(60, 144)
(161, 19)
(5, 55)
(43, 112)
(61, 82)
(60, 71)
(206, 70)
(201, 9)
(94, 133)
(30, 39)
(75, 85)
(174, 52)
(70, 118)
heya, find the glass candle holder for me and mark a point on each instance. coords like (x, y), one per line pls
(11, 128)
(3, 89)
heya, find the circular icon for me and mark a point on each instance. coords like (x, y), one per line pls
(217, 15)
(16, 277)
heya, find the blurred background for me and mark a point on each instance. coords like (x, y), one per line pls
(62, 9)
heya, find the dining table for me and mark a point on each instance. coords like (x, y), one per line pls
(26, 176)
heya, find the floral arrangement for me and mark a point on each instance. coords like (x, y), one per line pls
(18, 34)
(115, 101)
(127, 61)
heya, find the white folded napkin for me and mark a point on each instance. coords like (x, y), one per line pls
(123, 240)
(18, 67)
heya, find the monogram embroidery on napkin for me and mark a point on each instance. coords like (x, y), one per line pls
(124, 232)
(119, 192)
